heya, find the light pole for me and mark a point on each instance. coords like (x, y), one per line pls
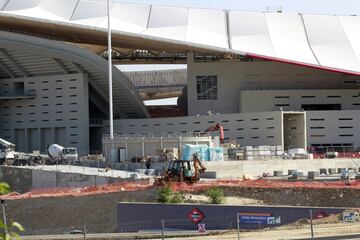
(110, 73)
(2, 201)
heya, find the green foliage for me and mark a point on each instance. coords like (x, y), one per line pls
(9, 231)
(215, 195)
(4, 188)
(128, 199)
(164, 194)
(178, 197)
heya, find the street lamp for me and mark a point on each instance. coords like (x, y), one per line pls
(110, 73)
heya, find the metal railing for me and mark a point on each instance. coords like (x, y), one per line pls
(163, 134)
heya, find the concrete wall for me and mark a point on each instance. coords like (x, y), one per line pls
(256, 129)
(147, 146)
(24, 180)
(333, 127)
(59, 113)
(254, 168)
(236, 76)
(20, 180)
(245, 128)
(236, 169)
(217, 217)
(273, 100)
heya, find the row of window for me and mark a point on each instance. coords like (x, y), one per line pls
(331, 96)
(59, 80)
(323, 135)
(43, 120)
(323, 119)
(33, 113)
(44, 105)
(60, 96)
(341, 127)
(185, 123)
(58, 89)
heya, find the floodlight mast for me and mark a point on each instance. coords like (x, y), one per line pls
(110, 73)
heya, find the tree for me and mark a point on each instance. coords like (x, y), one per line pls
(8, 231)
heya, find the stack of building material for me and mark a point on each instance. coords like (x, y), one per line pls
(167, 154)
(279, 151)
(249, 153)
(189, 150)
(204, 152)
(263, 152)
(215, 154)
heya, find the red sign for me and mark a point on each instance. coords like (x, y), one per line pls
(195, 215)
(201, 227)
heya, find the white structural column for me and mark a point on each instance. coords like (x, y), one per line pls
(110, 73)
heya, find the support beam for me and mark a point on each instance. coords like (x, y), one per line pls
(78, 67)
(61, 65)
(97, 88)
(7, 70)
(98, 101)
(14, 62)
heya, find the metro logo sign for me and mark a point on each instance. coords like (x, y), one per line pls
(195, 215)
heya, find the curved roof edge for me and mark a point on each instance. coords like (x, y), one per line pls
(90, 62)
(325, 42)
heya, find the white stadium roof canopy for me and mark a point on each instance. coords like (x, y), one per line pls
(319, 41)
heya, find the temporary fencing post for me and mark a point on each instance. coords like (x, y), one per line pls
(84, 231)
(238, 225)
(311, 224)
(162, 229)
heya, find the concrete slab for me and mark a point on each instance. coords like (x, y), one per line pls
(209, 174)
(313, 174)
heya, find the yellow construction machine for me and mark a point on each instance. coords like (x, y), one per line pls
(182, 171)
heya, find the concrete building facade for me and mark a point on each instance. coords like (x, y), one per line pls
(53, 92)
(258, 74)
(45, 110)
(236, 80)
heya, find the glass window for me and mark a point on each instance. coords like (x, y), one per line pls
(206, 87)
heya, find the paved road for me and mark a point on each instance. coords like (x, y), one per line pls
(331, 231)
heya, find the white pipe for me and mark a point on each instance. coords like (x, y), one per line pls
(110, 74)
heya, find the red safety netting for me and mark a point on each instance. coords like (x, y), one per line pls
(82, 191)
(203, 185)
(340, 155)
(262, 183)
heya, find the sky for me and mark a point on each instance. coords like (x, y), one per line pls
(333, 7)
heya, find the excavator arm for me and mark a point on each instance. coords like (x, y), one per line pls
(198, 167)
(217, 127)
